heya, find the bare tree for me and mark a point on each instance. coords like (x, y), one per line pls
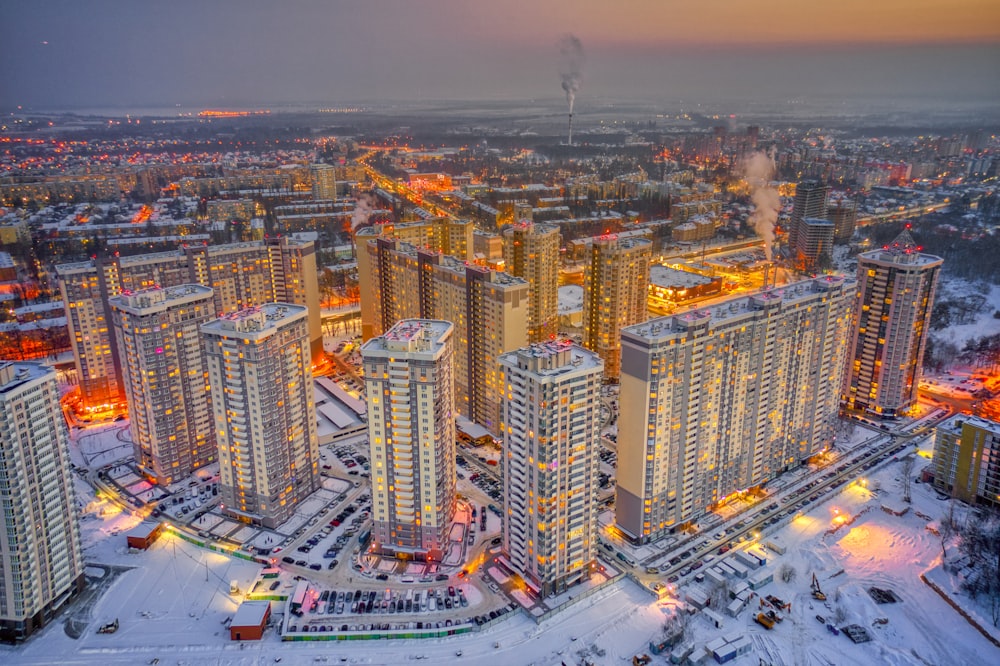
(675, 628)
(980, 544)
(787, 573)
(947, 528)
(907, 472)
(719, 596)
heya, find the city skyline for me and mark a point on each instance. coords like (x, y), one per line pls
(110, 54)
(550, 332)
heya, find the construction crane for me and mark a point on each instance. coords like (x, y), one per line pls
(816, 591)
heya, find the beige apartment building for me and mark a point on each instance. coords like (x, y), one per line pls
(41, 556)
(724, 398)
(409, 381)
(531, 251)
(240, 275)
(166, 382)
(615, 291)
(894, 300)
(489, 309)
(551, 441)
(265, 416)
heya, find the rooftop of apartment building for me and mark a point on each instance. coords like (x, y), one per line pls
(411, 335)
(902, 250)
(157, 298)
(555, 357)
(954, 424)
(735, 308)
(13, 374)
(256, 319)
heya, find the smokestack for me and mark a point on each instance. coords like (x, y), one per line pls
(571, 50)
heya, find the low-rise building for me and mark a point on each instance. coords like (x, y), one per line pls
(967, 459)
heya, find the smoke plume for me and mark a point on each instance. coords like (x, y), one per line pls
(571, 50)
(758, 169)
(362, 210)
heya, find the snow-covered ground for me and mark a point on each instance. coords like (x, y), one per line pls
(173, 604)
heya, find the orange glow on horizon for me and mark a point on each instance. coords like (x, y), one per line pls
(722, 23)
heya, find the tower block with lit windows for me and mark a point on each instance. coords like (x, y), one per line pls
(241, 275)
(895, 297)
(531, 251)
(551, 430)
(615, 291)
(41, 556)
(409, 378)
(724, 398)
(265, 417)
(166, 381)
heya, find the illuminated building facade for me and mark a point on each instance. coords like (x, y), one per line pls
(41, 557)
(615, 291)
(551, 431)
(725, 398)
(324, 181)
(895, 296)
(967, 459)
(439, 235)
(488, 308)
(241, 275)
(531, 251)
(166, 381)
(265, 418)
(411, 435)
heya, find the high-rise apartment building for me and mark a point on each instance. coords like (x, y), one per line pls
(531, 251)
(241, 275)
(324, 181)
(265, 418)
(166, 382)
(843, 212)
(41, 558)
(814, 242)
(488, 308)
(810, 201)
(967, 459)
(895, 296)
(411, 435)
(440, 235)
(725, 398)
(615, 289)
(551, 431)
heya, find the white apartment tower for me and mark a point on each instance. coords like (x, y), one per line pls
(409, 379)
(725, 398)
(895, 297)
(615, 289)
(166, 381)
(551, 428)
(265, 418)
(41, 558)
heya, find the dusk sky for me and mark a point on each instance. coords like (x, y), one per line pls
(154, 53)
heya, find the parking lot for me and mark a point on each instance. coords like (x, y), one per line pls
(319, 610)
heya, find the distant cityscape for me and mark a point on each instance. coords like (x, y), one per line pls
(428, 377)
